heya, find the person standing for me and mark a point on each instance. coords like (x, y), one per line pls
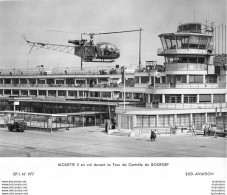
(193, 131)
(106, 127)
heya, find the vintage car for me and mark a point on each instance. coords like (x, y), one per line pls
(18, 125)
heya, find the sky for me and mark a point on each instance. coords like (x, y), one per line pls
(34, 19)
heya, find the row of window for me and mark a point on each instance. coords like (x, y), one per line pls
(53, 81)
(178, 79)
(185, 42)
(168, 120)
(203, 98)
(185, 59)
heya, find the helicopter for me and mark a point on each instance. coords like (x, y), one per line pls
(88, 51)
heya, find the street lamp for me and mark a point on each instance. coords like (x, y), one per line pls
(123, 80)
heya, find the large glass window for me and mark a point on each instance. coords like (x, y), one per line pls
(203, 43)
(136, 79)
(146, 121)
(184, 41)
(174, 43)
(42, 92)
(165, 120)
(183, 60)
(183, 120)
(61, 93)
(192, 59)
(52, 93)
(193, 42)
(178, 41)
(164, 43)
(191, 98)
(204, 98)
(211, 118)
(211, 78)
(218, 98)
(168, 42)
(173, 98)
(72, 93)
(195, 78)
(201, 60)
(106, 94)
(177, 79)
(144, 79)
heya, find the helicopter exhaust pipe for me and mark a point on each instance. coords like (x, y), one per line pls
(75, 42)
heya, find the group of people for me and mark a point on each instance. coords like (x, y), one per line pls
(153, 135)
(209, 130)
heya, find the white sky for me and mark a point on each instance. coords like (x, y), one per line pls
(34, 18)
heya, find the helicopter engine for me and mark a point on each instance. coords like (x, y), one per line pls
(76, 42)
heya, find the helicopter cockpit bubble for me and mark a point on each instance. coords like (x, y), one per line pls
(107, 51)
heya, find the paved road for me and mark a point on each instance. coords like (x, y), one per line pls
(94, 142)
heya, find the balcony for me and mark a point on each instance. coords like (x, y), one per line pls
(192, 105)
(187, 85)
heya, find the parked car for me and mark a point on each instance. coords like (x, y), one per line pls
(18, 125)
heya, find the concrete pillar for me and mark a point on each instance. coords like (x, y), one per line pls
(205, 117)
(204, 79)
(149, 98)
(187, 78)
(197, 98)
(182, 98)
(175, 120)
(157, 121)
(139, 79)
(163, 98)
(212, 98)
(191, 119)
(119, 121)
(149, 79)
(134, 122)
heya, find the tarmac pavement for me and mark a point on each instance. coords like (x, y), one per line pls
(94, 142)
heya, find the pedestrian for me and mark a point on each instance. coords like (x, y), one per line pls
(205, 131)
(193, 130)
(153, 135)
(106, 126)
(209, 130)
(170, 130)
(214, 129)
(156, 133)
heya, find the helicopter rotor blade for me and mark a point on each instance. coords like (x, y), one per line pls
(91, 34)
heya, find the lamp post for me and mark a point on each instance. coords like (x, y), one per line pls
(123, 80)
(154, 73)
